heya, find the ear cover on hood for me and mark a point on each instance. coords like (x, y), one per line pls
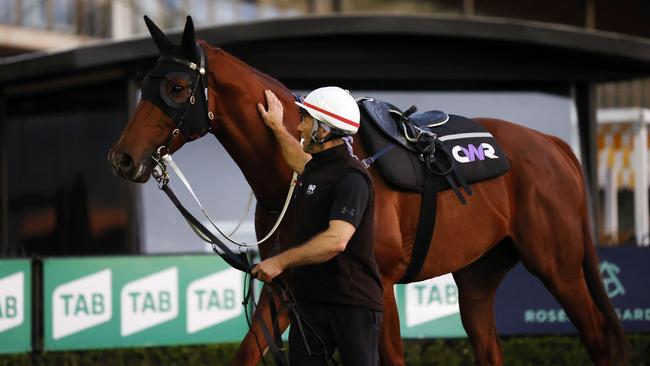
(164, 44)
(188, 42)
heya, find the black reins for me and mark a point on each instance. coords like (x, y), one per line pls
(277, 287)
(239, 261)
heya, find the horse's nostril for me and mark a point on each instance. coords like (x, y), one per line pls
(125, 160)
(121, 161)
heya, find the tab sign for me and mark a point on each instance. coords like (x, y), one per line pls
(82, 304)
(214, 299)
(149, 301)
(431, 299)
(12, 301)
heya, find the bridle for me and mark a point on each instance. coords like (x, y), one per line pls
(201, 77)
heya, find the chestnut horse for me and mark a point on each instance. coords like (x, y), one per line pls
(536, 213)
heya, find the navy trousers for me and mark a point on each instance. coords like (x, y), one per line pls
(353, 330)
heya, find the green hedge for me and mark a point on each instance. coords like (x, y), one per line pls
(518, 351)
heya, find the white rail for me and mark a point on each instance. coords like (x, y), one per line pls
(638, 120)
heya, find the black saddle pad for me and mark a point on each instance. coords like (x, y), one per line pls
(477, 155)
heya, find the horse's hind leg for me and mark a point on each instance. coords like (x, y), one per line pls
(477, 284)
(572, 293)
(566, 281)
(555, 249)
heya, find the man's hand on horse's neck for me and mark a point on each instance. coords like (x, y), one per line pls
(292, 150)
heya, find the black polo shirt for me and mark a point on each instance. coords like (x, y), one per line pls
(335, 186)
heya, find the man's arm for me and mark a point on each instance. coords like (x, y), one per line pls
(319, 249)
(291, 148)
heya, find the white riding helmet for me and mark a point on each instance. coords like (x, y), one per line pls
(333, 106)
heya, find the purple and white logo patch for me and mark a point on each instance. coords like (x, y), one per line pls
(471, 153)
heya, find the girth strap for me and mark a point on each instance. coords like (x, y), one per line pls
(424, 232)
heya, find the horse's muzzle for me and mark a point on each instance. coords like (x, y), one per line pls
(124, 166)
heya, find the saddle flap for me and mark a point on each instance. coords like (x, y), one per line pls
(380, 113)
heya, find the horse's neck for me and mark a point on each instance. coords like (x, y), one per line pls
(238, 88)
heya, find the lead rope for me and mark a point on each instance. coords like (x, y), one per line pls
(167, 160)
(244, 214)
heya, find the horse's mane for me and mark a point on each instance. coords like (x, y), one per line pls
(265, 77)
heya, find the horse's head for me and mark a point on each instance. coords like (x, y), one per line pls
(172, 109)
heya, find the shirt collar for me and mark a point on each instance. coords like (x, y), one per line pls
(330, 155)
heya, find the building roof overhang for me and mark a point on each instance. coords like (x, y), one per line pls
(383, 47)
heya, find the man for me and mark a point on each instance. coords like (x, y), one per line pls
(335, 278)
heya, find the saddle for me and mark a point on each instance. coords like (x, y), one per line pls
(401, 144)
(427, 153)
(403, 127)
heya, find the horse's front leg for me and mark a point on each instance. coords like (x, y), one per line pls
(248, 352)
(390, 339)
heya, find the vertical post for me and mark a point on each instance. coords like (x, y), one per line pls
(320, 6)
(19, 12)
(4, 235)
(590, 14)
(588, 8)
(610, 207)
(37, 306)
(49, 13)
(210, 9)
(640, 164)
(121, 20)
(337, 6)
(469, 7)
(79, 15)
(585, 99)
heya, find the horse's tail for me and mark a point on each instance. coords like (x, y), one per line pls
(592, 273)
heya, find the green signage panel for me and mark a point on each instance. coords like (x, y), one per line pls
(429, 309)
(15, 306)
(141, 301)
(108, 302)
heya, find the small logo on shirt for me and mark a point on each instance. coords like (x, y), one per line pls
(347, 211)
(311, 188)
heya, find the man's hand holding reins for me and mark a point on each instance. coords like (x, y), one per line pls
(268, 269)
(318, 249)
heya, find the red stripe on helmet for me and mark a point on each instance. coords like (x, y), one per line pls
(342, 119)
